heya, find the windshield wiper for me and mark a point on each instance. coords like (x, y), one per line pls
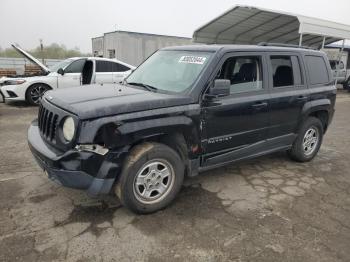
(147, 87)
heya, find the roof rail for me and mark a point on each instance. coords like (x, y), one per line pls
(285, 45)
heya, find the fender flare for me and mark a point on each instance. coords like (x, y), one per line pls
(312, 107)
(133, 132)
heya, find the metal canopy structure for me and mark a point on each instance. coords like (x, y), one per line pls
(251, 25)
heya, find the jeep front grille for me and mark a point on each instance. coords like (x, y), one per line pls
(48, 122)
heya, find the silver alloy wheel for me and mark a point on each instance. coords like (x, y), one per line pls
(310, 140)
(154, 181)
(37, 92)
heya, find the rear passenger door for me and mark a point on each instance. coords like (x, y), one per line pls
(288, 94)
(104, 72)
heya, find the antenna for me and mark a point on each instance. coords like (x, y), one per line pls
(42, 50)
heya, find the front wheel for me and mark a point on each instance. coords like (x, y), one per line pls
(308, 142)
(35, 92)
(151, 178)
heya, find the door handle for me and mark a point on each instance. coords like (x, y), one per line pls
(259, 105)
(302, 98)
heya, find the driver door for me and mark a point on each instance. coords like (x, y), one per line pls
(236, 125)
(72, 74)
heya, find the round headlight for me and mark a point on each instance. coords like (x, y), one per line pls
(68, 128)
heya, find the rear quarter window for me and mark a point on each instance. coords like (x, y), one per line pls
(318, 72)
(120, 68)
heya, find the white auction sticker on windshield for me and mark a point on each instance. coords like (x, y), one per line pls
(199, 60)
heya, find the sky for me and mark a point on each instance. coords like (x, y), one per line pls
(74, 22)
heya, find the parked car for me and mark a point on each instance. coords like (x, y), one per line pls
(338, 71)
(183, 111)
(67, 73)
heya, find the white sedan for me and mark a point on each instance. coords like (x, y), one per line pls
(67, 73)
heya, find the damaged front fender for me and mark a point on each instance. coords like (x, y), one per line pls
(127, 129)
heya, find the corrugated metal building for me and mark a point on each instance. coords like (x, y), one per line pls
(132, 47)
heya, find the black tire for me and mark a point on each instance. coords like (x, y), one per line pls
(139, 158)
(346, 85)
(34, 100)
(300, 153)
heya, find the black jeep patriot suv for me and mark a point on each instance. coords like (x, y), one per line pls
(184, 110)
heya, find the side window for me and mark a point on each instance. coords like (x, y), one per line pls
(317, 70)
(282, 71)
(76, 66)
(341, 66)
(104, 66)
(244, 73)
(100, 66)
(120, 68)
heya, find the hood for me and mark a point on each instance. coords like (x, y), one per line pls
(31, 58)
(95, 101)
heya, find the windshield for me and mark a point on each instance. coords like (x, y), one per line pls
(59, 65)
(173, 71)
(334, 63)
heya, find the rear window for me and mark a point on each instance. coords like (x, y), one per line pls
(317, 68)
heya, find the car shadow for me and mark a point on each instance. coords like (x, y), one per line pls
(19, 104)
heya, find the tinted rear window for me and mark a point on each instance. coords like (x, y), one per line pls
(317, 70)
(104, 66)
(120, 68)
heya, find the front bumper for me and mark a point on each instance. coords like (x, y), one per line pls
(18, 92)
(75, 169)
(2, 96)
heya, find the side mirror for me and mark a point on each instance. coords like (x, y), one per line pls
(221, 87)
(60, 71)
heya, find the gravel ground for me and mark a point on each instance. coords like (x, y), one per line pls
(266, 209)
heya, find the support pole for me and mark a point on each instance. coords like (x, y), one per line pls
(337, 67)
(301, 40)
(323, 42)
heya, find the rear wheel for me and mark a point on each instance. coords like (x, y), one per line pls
(346, 85)
(151, 178)
(35, 92)
(308, 142)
